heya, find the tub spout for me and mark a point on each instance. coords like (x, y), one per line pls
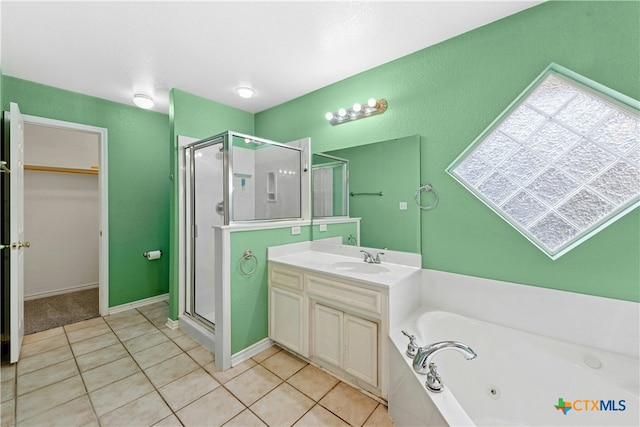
(422, 363)
(425, 354)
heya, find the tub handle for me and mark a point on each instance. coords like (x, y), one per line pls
(434, 382)
(412, 347)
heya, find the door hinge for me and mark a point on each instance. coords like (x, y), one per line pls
(18, 245)
(4, 168)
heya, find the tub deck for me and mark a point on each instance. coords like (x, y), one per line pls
(518, 378)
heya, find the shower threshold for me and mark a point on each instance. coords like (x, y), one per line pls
(198, 331)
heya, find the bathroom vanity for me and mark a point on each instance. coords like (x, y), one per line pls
(330, 307)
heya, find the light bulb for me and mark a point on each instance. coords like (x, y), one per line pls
(342, 112)
(329, 116)
(357, 107)
(245, 92)
(372, 102)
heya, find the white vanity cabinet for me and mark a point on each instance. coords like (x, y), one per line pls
(345, 341)
(337, 323)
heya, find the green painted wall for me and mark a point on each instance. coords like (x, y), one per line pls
(138, 180)
(392, 167)
(333, 230)
(197, 117)
(249, 294)
(448, 94)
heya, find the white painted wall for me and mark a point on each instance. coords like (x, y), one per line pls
(61, 222)
(61, 213)
(48, 146)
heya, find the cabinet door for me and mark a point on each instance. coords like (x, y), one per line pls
(361, 348)
(327, 334)
(286, 323)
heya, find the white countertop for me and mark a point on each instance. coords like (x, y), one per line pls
(348, 262)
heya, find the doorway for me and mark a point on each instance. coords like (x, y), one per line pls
(66, 220)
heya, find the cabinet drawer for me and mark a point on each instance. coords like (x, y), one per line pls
(285, 277)
(348, 294)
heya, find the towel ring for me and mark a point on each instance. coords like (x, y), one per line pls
(426, 188)
(248, 255)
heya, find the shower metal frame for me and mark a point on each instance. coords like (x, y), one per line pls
(228, 176)
(222, 315)
(190, 308)
(345, 182)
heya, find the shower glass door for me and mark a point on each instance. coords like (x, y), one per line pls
(206, 211)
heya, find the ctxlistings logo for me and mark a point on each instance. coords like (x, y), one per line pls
(563, 406)
(590, 405)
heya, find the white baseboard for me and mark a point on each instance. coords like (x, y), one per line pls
(139, 303)
(172, 324)
(61, 291)
(250, 351)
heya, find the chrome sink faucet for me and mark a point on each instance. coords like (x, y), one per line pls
(422, 363)
(371, 259)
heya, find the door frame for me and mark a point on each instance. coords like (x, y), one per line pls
(103, 197)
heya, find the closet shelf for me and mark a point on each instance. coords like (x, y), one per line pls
(92, 171)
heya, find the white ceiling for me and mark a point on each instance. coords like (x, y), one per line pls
(283, 49)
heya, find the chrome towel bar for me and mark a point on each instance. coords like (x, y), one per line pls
(352, 194)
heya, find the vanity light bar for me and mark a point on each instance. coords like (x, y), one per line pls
(358, 111)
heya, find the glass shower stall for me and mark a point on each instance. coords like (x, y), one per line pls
(230, 179)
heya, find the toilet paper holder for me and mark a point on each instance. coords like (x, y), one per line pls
(146, 254)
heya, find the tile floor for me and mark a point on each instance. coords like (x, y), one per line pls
(129, 369)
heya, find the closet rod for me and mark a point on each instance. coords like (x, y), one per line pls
(56, 169)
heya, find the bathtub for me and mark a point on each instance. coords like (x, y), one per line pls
(517, 378)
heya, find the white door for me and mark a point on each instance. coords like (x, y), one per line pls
(16, 231)
(286, 319)
(361, 348)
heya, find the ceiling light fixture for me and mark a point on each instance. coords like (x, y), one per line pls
(143, 101)
(358, 111)
(245, 92)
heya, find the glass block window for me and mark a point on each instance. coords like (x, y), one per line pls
(560, 163)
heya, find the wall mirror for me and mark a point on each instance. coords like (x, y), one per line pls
(382, 180)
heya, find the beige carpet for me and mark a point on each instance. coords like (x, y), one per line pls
(59, 310)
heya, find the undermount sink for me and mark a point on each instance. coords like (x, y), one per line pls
(360, 267)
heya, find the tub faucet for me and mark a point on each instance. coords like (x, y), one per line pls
(371, 259)
(422, 363)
